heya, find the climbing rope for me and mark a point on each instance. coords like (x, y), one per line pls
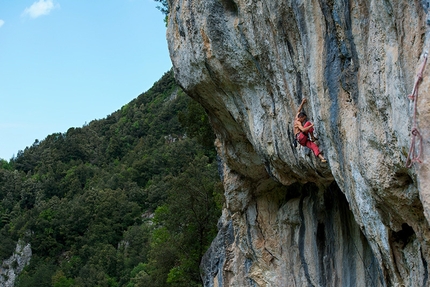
(414, 154)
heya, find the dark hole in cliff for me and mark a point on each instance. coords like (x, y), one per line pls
(293, 191)
(403, 236)
(330, 194)
(321, 237)
(230, 6)
(402, 178)
(322, 249)
(426, 273)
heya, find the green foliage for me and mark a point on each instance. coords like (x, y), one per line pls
(164, 8)
(60, 280)
(130, 200)
(196, 123)
(40, 275)
(5, 165)
(187, 220)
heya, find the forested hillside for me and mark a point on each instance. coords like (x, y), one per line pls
(129, 200)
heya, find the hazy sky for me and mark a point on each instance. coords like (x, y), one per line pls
(67, 62)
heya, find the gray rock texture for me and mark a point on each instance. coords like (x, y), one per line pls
(10, 268)
(362, 219)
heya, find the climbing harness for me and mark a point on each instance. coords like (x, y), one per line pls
(414, 155)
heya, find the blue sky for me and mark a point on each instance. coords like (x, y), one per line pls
(64, 63)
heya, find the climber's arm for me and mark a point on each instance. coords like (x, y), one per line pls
(306, 129)
(298, 126)
(301, 106)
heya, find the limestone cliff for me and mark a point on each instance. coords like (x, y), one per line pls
(362, 219)
(13, 266)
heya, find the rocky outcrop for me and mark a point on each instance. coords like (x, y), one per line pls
(289, 220)
(11, 267)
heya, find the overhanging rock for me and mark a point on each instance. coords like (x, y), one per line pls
(293, 219)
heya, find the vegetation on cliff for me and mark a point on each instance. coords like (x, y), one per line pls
(130, 200)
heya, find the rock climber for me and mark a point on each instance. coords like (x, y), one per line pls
(301, 130)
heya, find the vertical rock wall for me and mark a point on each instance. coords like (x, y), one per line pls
(360, 220)
(292, 236)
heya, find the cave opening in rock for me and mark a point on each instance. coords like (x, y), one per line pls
(404, 235)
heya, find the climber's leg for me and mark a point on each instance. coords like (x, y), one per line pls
(302, 139)
(310, 131)
(313, 147)
(316, 150)
(320, 156)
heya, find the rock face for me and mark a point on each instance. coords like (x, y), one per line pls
(362, 219)
(11, 267)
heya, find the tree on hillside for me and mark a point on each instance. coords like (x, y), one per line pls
(85, 199)
(185, 225)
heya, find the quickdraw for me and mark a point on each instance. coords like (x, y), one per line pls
(414, 154)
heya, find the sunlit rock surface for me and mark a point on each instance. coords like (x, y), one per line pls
(362, 219)
(13, 266)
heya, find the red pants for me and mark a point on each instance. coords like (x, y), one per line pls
(303, 139)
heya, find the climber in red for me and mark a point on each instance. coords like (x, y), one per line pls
(301, 132)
